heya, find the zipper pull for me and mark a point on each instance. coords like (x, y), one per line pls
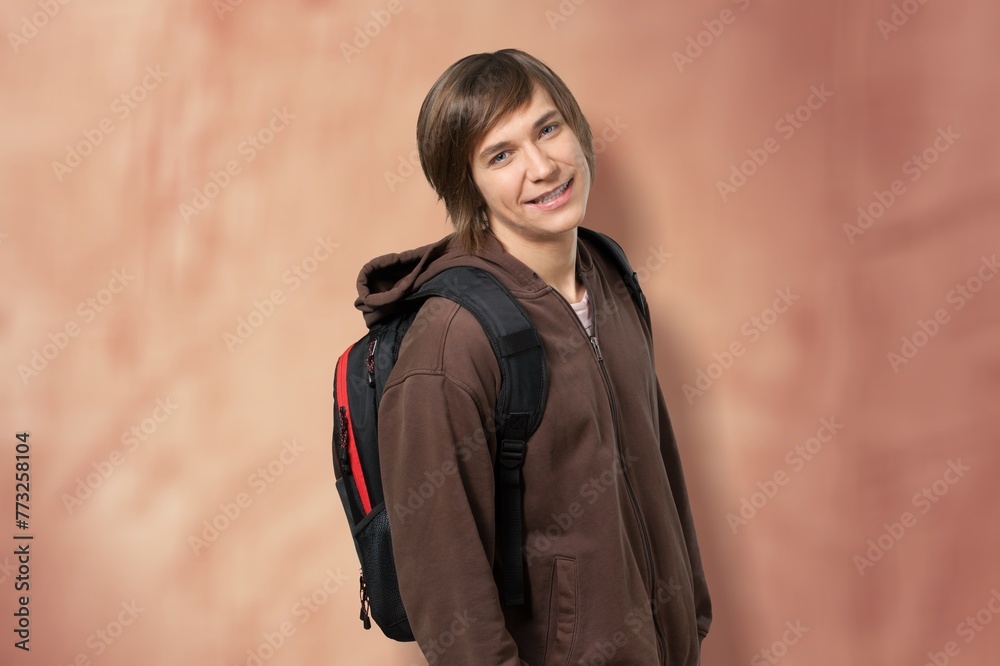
(364, 604)
(597, 347)
(342, 452)
(370, 362)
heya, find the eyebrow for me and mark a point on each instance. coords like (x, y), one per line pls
(541, 122)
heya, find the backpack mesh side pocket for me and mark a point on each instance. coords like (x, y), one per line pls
(379, 568)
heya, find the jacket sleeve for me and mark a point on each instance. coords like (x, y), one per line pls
(675, 473)
(437, 472)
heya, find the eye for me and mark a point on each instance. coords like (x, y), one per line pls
(498, 158)
(549, 129)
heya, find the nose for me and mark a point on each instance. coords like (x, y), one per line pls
(540, 166)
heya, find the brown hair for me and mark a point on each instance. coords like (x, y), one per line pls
(464, 104)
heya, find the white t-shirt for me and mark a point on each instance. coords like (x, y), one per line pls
(582, 310)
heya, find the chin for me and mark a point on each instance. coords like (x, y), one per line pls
(566, 220)
(557, 227)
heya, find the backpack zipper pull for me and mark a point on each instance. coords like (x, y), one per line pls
(342, 449)
(365, 604)
(370, 362)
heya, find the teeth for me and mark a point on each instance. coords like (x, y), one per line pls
(553, 195)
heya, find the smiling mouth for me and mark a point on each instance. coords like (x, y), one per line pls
(554, 194)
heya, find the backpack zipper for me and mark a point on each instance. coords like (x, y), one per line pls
(342, 449)
(365, 603)
(348, 454)
(370, 362)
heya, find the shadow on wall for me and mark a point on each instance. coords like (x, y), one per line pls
(609, 210)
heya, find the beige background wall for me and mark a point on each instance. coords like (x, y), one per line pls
(335, 173)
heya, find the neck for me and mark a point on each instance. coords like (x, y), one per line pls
(554, 260)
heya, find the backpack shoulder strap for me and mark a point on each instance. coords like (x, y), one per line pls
(523, 387)
(615, 251)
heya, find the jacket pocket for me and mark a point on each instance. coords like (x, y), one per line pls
(561, 636)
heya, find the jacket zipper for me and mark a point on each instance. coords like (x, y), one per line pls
(661, 643)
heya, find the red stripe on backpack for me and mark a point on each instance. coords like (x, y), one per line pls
(352, 447)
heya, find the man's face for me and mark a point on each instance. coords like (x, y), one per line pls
(521, 162)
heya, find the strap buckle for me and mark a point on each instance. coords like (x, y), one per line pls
(512, 453)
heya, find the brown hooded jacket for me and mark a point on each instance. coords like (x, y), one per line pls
(613, 572)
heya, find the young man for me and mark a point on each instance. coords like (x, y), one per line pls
(611, 561)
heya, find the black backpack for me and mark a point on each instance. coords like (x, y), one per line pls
(360, 377)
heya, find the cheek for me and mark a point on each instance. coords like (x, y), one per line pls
(581, 162)
(500, 190)
(486, 188)
(582, 169)
(574, 155)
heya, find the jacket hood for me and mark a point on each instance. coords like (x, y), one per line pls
(386, 280)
